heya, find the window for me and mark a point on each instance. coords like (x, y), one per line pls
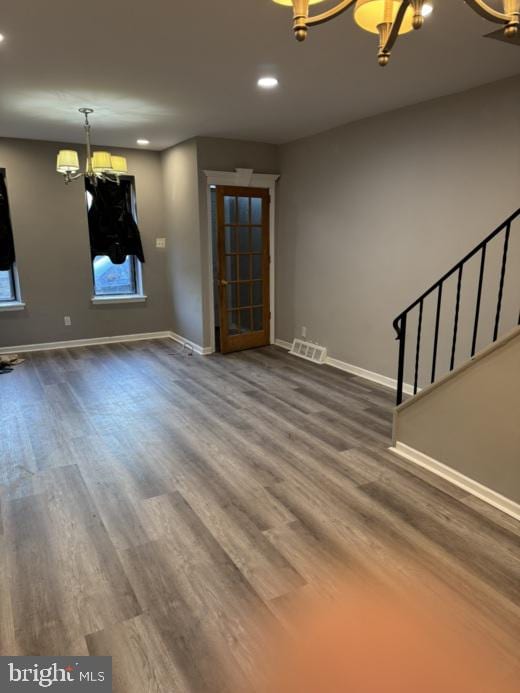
(116, 280)
(7, 286)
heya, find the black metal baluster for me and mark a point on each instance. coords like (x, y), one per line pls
(479, 298)
(418, 348)
(436, 338)
(399, 323)
(401, 336)
(456, 320)
(501, 286)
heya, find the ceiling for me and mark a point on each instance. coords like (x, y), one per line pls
(167, 70)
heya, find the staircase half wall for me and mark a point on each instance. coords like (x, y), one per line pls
(466, 426)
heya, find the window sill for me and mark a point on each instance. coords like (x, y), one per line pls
(104, 300)
(12, 305)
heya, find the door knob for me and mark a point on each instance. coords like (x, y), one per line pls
(223, 282)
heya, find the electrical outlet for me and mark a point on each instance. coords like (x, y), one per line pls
(67, 321)
(160, 242)
(304, 331)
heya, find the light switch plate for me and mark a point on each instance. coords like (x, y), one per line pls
(160, 242)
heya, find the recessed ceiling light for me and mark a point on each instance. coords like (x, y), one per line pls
(427, 9)
(267, 82)
(142, 142)
(2, 37)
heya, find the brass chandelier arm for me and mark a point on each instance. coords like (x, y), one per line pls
(388, 44)
(492, 15)
(330, 14)
(389, 30)
(512, 7)
(69, 177)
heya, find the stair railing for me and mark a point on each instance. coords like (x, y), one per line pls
(400, 323)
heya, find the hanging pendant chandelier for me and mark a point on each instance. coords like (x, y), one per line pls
(389, 18)
(100, 165)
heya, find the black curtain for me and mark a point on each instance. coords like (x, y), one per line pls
(112, 226)
(7, 256)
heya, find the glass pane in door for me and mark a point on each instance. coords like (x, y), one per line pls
(244, 234)
(230, 239)
(232, 298)
(244, 267)
(257, 266)
(256, 210)
(256, 239)
(258, 318)
(258, 293)
(233, 325)
(243, 210)
(231, 268)
(245, 320)
(230, 210)
(244, 293)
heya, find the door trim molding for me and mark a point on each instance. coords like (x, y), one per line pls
(246, 178)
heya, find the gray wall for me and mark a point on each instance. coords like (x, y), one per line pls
(475, 435)
(372, 213)
(181, 194)
(53, 254)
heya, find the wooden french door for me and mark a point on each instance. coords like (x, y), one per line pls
(243, 267)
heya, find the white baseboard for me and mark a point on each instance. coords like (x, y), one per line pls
(355, 370)
(282, 343)
(203, 351)
(368, 375)
(470, 485)
(73, 343)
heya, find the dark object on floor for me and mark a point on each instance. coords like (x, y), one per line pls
(8, 361)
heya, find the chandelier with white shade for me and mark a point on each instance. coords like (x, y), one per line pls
(389, 18)
(99, 166)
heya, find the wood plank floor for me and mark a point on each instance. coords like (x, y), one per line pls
(158, 507)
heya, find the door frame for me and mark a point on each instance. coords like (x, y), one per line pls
(245, 178)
